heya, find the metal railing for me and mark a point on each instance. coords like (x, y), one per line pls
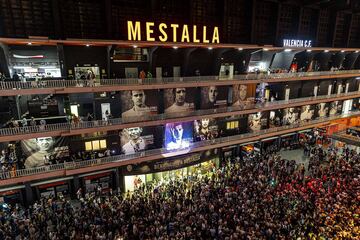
(161, 151)
(67, 127)
(163, 80)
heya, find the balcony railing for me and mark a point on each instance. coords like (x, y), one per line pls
(67, 127)
(162, 151)
(164, 80)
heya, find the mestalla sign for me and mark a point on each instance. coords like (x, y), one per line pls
(297, 43)
(172, 32)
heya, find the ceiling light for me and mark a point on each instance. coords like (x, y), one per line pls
(342, 50)
(287, 50)
(29, 43)
(240, 49)
(326, 50)
(309, 50)
(88, 45)
(175, 47)
(356, 51)
(265, 49)
(210, 48)
(134, 46)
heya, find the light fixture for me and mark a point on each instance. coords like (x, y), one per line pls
(287, 50)
(29, 43)
(134, 46)
(326, 50)
(342, 50)
(210, 48)
(309, 50)
(265, 49)
(88, 45)
(240, 49)
(175, 47)
(356, 51)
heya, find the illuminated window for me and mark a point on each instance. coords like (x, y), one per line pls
(232, 125)
(88, 146)
(95, 145)
(102, 143)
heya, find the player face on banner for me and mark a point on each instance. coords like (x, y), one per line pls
(205, 129)
(40, 150)
(132, 140)
(179, 100)
(307, 113)
(290, 116)
(322, 110)
(244, 95)
(213, 97)
(138, 103)
(254, 121)
(178, 135)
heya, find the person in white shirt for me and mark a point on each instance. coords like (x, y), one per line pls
(180, 105)
(139, 108)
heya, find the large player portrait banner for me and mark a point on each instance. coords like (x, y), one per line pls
(244, 95)
(214, 97)
(307, 113)
(136, 139)
(137, 103)
(179, 100)
(290, 116)
(38, 151)
(178, 135)
(205, 129)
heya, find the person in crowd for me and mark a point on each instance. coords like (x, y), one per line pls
(139, 107)
(180, 104)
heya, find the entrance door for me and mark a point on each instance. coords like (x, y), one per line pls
(131, 73)
(105, 107)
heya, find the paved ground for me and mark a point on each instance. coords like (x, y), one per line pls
(297, 155)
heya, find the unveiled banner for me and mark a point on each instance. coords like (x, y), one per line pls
(38, 151)
(275, 118)
(179, 100)
(136, 139)
(214, 97)
(335, 108)
(244, 95)
(290, 116)
(178, 135)
(307, 112)
(137, 103)
(205, 129)
(322, 110)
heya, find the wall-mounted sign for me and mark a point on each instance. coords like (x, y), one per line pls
(297, 43)
(172, 32)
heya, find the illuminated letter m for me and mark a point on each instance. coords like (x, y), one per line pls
(134, 32)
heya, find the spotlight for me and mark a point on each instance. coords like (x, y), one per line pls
(309, 50)
(265, 49)
(135, 46)
(88, 45)
(287, 50)
(326, 50)
(175, 47)
(210, 48)
(29, 43)
(240, 49)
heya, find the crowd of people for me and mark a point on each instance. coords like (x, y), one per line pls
(261, 197)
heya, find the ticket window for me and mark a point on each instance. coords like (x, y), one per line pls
(11, 197)
(103, 180)
(54, 190)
